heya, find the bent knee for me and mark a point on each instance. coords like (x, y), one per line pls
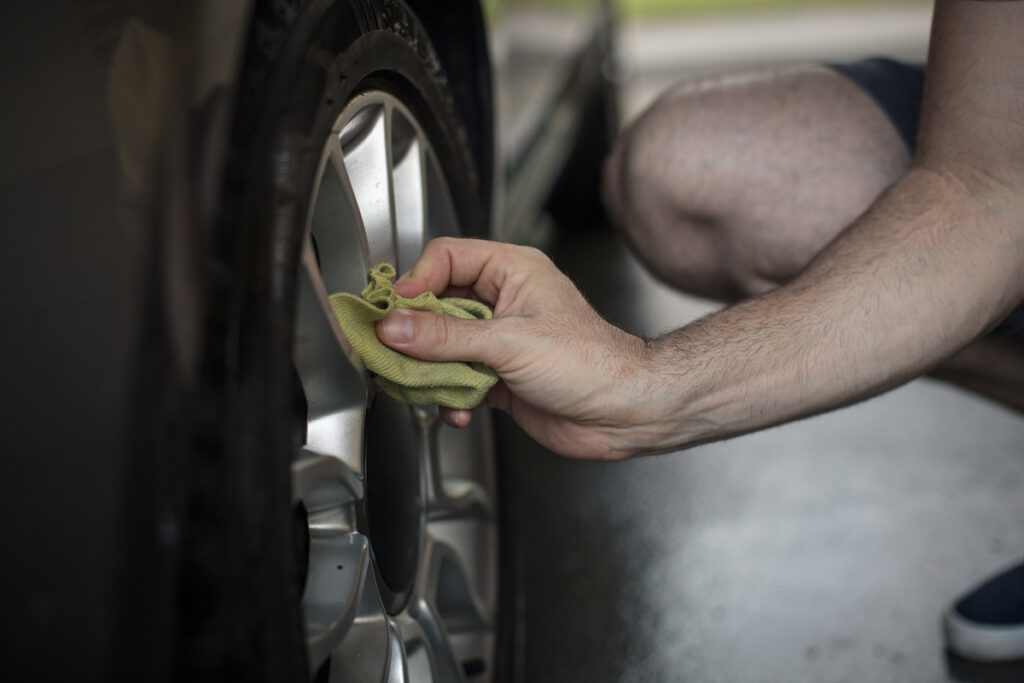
(637, 191)
(653, 202)
(717, 197)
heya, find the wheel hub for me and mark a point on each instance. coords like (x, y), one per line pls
(394, 497)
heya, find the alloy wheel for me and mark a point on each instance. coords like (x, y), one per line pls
(397, 510)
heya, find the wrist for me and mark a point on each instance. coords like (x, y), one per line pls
(654, 401)
(685, 399)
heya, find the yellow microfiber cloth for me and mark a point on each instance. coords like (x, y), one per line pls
(411, 380)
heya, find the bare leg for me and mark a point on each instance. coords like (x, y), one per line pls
(729, 185)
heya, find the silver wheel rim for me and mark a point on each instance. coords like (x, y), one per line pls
(423, 608)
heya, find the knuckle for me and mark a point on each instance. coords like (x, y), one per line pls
(435, 332)
(540, 260)
(442, 332)
(517, 258)
(534, 254)
(505, 339)
(436, 247)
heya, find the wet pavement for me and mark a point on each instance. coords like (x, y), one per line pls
(821, 551)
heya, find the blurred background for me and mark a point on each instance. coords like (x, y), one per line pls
(825, 550)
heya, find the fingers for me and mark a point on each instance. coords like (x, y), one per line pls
(459, 419)
(448, 263)
(498, 397)
(440, 337)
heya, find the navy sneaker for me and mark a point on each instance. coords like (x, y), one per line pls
(987, 624)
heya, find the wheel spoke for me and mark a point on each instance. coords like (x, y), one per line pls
(417, 655)
(335, 390)
(365, 144)
(339, 433)
(428, 424)
(321, 481)
(446, 618)
(338, 557)
(460, 498)
(337, 226)
(450, 587)
(318, 330)
(460, 576)
(367, 651)
(468, 453)
(442, 219)
(459, 479)
(409, 189)
(338, 570)
(398, 669)
(468, 620)
(427, 646)
(449, 497)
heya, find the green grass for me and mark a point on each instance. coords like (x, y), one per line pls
(632, 9)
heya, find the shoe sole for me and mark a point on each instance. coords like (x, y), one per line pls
(983, 642)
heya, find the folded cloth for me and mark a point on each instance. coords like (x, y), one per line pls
(417, 382)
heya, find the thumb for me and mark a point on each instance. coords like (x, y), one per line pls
(438, 337)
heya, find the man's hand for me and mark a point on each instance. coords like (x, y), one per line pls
(934, 263)
(571, 380)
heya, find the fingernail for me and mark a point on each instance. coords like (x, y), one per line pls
(397, 327)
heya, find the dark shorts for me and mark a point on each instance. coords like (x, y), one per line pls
(897, 87)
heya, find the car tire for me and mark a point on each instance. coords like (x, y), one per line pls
(330, 533)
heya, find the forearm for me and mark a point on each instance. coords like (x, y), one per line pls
(935, 262)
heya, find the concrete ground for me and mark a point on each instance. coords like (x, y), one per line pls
(821, 551)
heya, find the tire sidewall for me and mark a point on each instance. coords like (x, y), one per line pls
(304, 63)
